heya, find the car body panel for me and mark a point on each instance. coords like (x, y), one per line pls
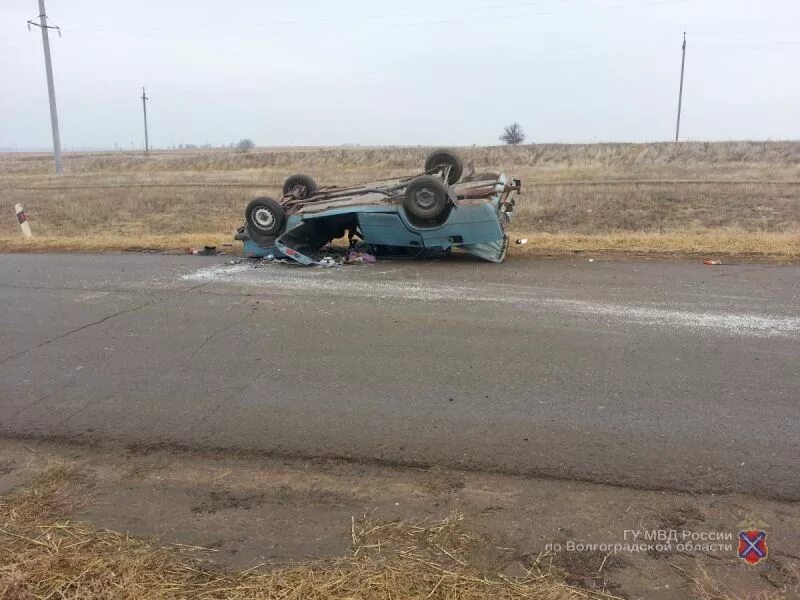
(388, 229)
(475, 222)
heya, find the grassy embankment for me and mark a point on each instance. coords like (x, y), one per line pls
(732, 198)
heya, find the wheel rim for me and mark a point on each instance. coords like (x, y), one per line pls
(299, 191)
(425, 198)
(264, 218)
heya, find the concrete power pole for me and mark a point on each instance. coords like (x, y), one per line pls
(144, 109)
(680, 92)
(48, 66)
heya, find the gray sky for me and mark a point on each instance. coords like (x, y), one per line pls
(316, 72)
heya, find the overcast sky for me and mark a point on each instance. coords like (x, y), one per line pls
(318, 72)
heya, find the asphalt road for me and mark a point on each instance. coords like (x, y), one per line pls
(645, 373)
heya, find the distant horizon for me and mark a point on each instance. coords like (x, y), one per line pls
(198, 148)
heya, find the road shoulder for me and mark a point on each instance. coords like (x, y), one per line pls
(247, 511)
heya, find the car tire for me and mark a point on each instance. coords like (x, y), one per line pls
(426, 198)
(265, 216)
(444, 158)
(306, 182)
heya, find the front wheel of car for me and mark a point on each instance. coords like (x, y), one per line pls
(265, 216)
(426, 198)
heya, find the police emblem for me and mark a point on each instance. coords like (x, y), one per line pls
(753, 542)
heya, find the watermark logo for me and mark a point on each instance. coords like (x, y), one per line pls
(753, 542)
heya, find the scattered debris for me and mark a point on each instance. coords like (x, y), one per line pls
(204, 251)
(258, 263)
(522, 241)
(712, 262)
(329, 261)
(354, 257)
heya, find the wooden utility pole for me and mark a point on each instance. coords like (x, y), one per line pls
(144, 109)
(51, 90)
(680, 92)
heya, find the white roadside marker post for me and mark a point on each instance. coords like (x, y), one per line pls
(23, 221)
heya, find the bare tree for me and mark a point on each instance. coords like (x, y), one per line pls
(245, 145)
(513, 135)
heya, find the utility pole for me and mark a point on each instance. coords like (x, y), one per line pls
(144, 109)
(680, 93)
(48, 66)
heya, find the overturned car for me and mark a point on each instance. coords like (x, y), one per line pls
(425, 214)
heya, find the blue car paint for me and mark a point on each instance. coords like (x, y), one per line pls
(477, 228)
(253, 250)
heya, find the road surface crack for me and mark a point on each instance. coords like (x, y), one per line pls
(220, 331)
(76, 330)
(98, 322)
(240, 390)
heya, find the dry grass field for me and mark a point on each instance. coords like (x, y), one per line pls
(721, 198)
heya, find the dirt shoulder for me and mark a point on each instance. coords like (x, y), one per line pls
(730, 246)
(261, 516)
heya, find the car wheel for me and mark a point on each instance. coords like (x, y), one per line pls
(439, 159)
(300, 186)
(426, 198)
(265, 216)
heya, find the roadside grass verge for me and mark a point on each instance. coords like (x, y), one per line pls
(775, 246)
(766, 245)
(108, 242)
(45, 555)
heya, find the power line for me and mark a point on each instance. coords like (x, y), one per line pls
(51, 91)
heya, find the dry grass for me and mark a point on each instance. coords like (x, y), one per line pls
(666, 207)
(778, 246)
(121, 242)
(738, 160)
(45, 556)
(705, 586)
(781, 247)
(720, 198)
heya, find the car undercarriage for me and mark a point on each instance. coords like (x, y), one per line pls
(431, 212)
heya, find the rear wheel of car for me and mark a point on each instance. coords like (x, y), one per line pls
(426, 198)
(265, 216)
(301, 186)
(439, 159)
